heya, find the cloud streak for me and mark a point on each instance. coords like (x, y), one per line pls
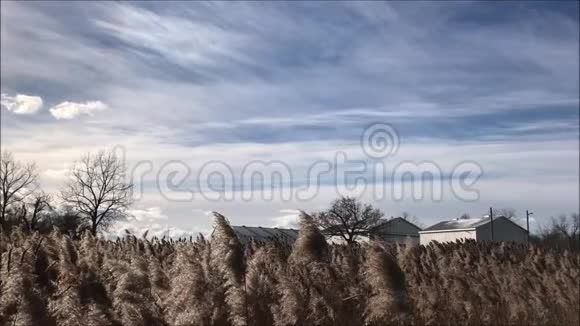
(194, 81)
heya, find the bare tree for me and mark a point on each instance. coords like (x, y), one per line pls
(348, 218)
(17, 181)
(568, 228)
(34, 209)
(505, 212)
(465, 216)
(97, 189)
(562, 233)
(411, 218)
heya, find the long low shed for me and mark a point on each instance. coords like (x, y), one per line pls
(479, 229)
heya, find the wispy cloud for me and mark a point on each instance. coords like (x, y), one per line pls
(296, 81)
(180, 40)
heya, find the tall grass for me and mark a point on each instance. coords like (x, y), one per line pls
(54, 280)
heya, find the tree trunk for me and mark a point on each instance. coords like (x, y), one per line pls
(350, 239)
(3, 217)
(94, 225)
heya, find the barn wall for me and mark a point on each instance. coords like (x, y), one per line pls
(399, 238)
(398, 230)
(446, 236)
(398, 226)
(503, 230)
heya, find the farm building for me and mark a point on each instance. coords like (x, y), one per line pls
(396, 230)
(261, 234)
(479, 229)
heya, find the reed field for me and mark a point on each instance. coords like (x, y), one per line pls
(60, 280)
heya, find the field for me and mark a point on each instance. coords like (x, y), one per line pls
(55, 280)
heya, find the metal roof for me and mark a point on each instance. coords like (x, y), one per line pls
(258, 233)
(384, 222)
(458, 224)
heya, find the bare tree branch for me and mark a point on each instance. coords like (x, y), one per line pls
(348, 218)
(97, 189)
(17, 182)
(505, 212)
(37, 205)
(563, 233)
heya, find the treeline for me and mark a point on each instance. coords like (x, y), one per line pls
(94, 195)
(54, 280)
(563, 233)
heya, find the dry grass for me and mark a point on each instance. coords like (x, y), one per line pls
(53, 280)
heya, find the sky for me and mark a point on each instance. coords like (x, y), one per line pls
(176, 86)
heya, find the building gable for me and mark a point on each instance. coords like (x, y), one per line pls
(396, 230)
(504, 229)
(397, 226)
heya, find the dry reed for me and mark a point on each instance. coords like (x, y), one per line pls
(54, 280)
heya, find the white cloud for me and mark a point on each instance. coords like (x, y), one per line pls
(57, 174)
(290, 220)
(70, 110)
(21, 104)
(148, 214)
(148, 219)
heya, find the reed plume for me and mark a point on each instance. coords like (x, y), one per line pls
(57, 280)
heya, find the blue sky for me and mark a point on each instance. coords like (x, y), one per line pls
(295, 81)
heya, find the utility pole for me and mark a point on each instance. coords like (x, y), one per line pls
(491, 221)
(528, 213)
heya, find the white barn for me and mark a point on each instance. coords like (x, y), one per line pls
(479, 229)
